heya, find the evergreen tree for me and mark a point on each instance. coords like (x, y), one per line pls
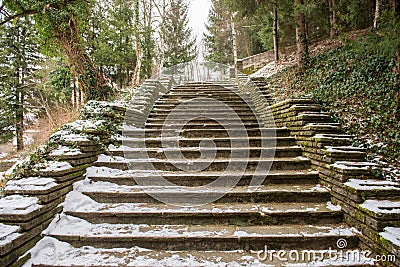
(19, 57)
(148, 41)
(110, 39)
(60, 23)
(180, 46)
(148, 46)
(218, 40)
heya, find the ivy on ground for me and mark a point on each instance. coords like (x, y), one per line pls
(357, 84)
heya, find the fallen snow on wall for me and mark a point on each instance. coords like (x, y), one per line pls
(382, 206)
(8, 233)
(82, 125)
(372, 184)
(392, 234)
(53, 166)
(6, 230)
(31, 183)
(67, 136)
(17, 204)
(64, 150)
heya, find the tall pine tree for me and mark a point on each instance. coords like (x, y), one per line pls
(19, 57)
(179, 46)
(218, 39)
(110, 39)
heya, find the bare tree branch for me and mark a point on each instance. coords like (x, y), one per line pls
(18, 15)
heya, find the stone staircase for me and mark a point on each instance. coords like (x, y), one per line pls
(113, 219)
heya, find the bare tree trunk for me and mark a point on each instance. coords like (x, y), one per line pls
(78, 94)
(275, 33)
(91, 80)
(128, 76)
(377, 13)
(301, 35)
(44, 104)
(82, 95)
(19, 112)
(234, 40)
(73, 92)
(333, 18)
(120, 79)
(162, 13)
(136, 74)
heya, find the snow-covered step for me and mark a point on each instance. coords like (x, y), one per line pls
(199, 102)
(196, 152)
(202, 96)
(127, 177)
(64, 255)
(203, 133)
(211, 111)
(208, 125)
(113, 193)
(210, 164)
(79, 232)
(234, 141)
(185, 116)
(199, 108)
(84, 207)
(224, 121)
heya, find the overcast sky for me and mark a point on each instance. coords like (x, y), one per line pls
(198, 15)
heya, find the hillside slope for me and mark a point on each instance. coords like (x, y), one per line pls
(357, 84)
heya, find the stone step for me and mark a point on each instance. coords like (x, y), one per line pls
(231, 164)
(198, 108)
(112, 193)
(234, 142)
(196, 152)
(207, 90)
(188, 115)
(171, 104)
(199, 96)
(234, 99)
(186, 112)
(204, 133)
(79, 232)
(63, 255)
(207, 125)
(204, 98)
(224, 121)
(219, 214)
(205, 94)
(182, 178)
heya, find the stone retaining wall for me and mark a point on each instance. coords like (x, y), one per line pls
(370, 204)
(251, 64)
(37, 189)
